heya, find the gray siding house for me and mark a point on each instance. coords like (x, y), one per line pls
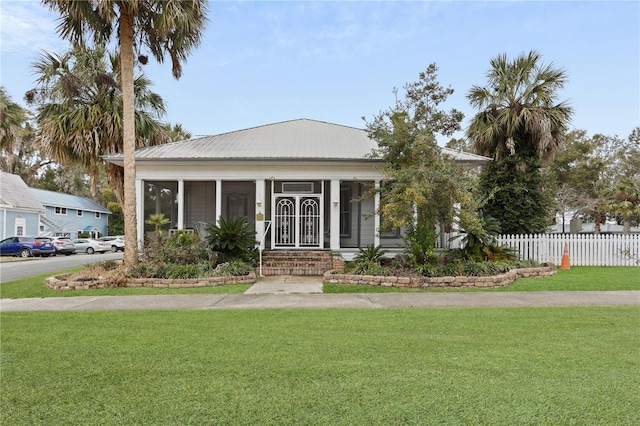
(303, 183)
(67, 215)
(20, 210)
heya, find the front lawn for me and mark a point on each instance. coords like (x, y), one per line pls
(579, 278)
(325, 367)
(35, 287)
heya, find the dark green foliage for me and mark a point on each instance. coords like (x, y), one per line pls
(233, 268)
(116, 220)
(370, 267)
(420, 241)
(181, 248)
(371, 253)
(234, 238)
(520, 201)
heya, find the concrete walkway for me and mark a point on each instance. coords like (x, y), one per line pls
(285, 296)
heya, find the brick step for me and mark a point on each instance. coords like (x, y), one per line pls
(296, 271)
(296, 262)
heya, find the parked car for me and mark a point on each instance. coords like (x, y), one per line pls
(27, 247)
(90, 246)
(116, 242)
(63, 245)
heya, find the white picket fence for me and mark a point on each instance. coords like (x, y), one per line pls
(584, 249)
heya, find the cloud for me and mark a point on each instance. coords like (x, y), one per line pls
(27, 25)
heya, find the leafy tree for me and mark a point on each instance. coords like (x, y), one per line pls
(79, 100)
(20, 155)
(421, 184)
(596, 176)
(522, 127)
(163, 27)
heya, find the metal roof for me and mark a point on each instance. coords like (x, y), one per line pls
(301, 139)
(15, 193)
(58, 199)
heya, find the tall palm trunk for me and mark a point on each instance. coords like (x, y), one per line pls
(129, 137)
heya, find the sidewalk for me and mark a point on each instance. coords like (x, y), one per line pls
(324, 301)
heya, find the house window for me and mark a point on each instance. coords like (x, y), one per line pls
(237, 204)
(345, 211)
(97, 215)
(60, 210)
(79, 213)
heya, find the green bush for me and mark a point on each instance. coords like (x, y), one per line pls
(233, 238)
(181, 248)
(371, 253)
(368, 267)
(233, 268)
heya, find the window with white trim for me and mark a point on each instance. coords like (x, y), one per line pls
(80, 212)
(97, 215)
(60, 210)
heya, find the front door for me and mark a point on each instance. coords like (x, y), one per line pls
(297, 222)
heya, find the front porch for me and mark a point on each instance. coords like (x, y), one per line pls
(287, 214)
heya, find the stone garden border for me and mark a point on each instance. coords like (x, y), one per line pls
(59, 283)
(492, 281)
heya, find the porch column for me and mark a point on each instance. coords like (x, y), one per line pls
(260, 211)
(334, 238)
(180, 222)
(140, 211)
(218, 200)
(376, 216)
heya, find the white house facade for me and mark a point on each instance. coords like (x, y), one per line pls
(304, 184)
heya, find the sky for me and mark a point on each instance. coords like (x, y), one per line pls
(262, 62)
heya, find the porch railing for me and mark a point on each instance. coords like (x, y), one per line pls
(261, 242)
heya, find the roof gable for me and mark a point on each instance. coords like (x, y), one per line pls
(301, 139)
(58, 199)
(15, 193)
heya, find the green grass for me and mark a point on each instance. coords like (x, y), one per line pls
(585, 278)
(322, 367)
(35, 287)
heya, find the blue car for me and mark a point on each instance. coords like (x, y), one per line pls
(27, 247)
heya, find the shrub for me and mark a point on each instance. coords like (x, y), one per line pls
(368, 267)
(181, 248)
(371, 253)
(233, 268)
(233, 238)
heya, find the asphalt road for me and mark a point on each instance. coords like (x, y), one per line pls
(13, 270)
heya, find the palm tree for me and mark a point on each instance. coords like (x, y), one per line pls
(163, 27)
(12, 117)
(80, 111)
(518, 114)
(625, 201)
(177, 133)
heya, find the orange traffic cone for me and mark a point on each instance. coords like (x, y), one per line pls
(565, 258)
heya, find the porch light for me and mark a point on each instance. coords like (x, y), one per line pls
(335, 203)
(259, 202)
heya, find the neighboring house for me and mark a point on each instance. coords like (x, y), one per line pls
(67, 215)
(20, 210)
(575, 226)
(303, 183)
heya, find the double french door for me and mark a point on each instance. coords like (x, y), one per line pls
(297, 221)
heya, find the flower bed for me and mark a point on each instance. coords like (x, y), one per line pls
(60, 283)
(493, 281)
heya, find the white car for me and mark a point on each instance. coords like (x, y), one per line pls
(90, 246)
(63, 245)
(115, 241)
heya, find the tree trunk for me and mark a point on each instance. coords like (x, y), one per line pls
(128, 100)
